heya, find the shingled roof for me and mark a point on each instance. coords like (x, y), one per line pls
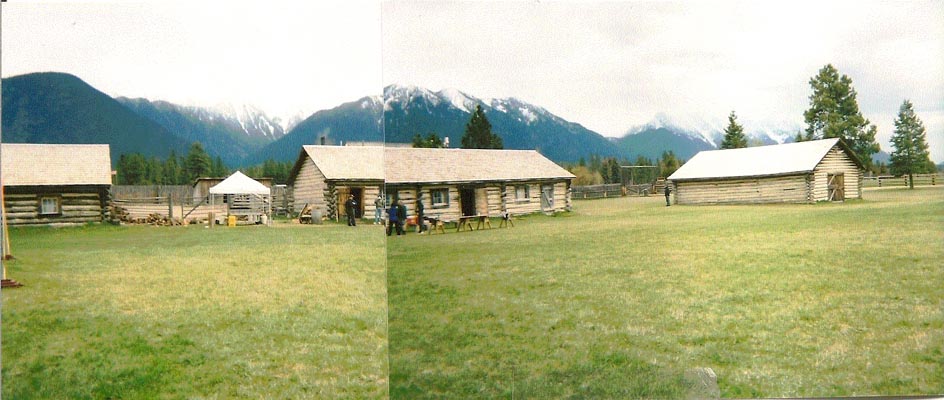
(409, 165)
(348, 162)
(55, 164)
(783, 159)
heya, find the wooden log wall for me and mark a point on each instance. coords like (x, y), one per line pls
(310, 188)
(781, 189)
(836, 161)
(76, 208)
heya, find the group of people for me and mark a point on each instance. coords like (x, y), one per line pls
(396, 214)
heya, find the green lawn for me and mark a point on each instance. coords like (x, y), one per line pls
(622, 296)
(188, 312)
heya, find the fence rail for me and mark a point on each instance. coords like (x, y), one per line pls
(178, 193)
(900, 181)
(596, 191)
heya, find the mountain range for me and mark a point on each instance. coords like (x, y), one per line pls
(61, 108)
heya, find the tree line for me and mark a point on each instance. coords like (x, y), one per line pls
(608, 170)
(137, 169)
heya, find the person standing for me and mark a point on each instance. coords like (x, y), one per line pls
(393, 220)
(401, 218)
(349, 207)
(378, 209)
(420, 221)
(668, 191)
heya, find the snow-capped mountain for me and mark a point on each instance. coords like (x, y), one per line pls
(410, 110)
(712, 131)
(232, 132)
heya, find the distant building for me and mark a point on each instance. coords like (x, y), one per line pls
(452, 182)
(55, 183)
(804, 172)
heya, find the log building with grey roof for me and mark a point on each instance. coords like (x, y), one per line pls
(804, 172)
(55, 184)
(450, 182)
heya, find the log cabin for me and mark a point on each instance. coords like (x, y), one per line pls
(803, 172)
(450, 182)
(55, 184)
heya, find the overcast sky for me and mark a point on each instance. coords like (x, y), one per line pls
(609, 66)
(284, 57)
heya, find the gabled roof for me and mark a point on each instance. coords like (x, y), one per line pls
(346, 162)
(783, 159)
(239, 183)
(24, 164)
(418, 165)
(409, 165)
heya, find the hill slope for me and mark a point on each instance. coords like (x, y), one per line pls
(52, 107)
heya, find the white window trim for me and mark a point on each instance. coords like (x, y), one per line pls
(57, 202)
(445, 198)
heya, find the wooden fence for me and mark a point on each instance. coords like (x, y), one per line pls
(902, 181)
(179, 194)
(596, 191)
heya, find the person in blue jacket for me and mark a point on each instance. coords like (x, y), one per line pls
(393, 218)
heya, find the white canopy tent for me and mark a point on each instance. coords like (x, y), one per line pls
(246, 196)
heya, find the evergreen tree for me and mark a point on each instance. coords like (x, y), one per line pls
(197, 162)
(478, 133)
(834, 113)
(430, 141)
(668, 163)
(734, 134)
(911, 147)
(219, 169)
(172, 170)
(155, 172)
(132, 169)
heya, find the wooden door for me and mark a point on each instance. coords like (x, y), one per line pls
(837, 187)
(547, 197)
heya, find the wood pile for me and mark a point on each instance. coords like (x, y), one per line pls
(122, 214)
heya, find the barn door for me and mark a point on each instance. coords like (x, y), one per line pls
(837, 187)
(547, 197)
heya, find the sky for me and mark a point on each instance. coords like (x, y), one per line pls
(609, 66)
(284, 57)
(612, 66)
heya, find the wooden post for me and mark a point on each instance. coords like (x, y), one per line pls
(7, 254)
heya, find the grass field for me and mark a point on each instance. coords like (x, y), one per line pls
(623, 296)
(187, 312)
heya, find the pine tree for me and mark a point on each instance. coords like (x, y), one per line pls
(218, 168)
(834, 113)
(197, 162)
(430, 141)
(172, 170)
(911, 154)
(478, 133)
(734, 134)
(668, 163)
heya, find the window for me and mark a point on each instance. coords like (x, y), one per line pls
(522, 193)
(439, 197)
(49, 206)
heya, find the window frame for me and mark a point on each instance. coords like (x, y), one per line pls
(444, 193)
(57, 199)
(527, 194)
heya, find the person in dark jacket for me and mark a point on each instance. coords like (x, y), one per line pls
(393, 218)
(420, 218)
(349, 207)
(667, 192)
(401, 218)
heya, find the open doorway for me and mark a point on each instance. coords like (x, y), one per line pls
(358, 194)
(467, 200)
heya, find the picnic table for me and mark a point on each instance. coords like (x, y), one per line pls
(470, 222)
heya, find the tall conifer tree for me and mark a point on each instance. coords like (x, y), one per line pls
(734, 134)
(834, 113)
(911, 154)
(478, 133)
